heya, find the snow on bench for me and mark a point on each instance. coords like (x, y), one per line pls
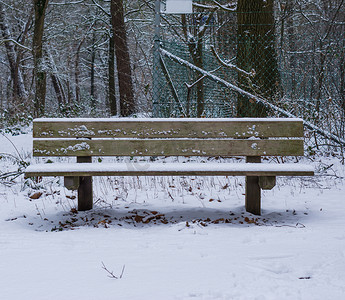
(249, 137)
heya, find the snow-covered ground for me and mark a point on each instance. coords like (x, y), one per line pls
(171, 238)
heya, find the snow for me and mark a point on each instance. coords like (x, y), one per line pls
(178, 238)
(169, 167)
(152, 120)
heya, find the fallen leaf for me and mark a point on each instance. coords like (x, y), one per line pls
(138, 219)
(36, 195)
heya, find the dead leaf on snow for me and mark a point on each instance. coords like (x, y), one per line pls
(36, 195)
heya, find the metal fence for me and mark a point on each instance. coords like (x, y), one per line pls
(295, 69)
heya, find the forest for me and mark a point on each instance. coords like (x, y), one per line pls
(125, 58)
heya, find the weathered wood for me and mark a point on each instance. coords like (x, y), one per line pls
(267, 182)
(85, 195)
(168, 169)
(71, 182)
(167, 147)
(250, 137)
(253, 191)
(172, 128)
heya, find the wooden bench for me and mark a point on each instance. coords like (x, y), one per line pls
(248, 137)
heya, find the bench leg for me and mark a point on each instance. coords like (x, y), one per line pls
(253, 190)
(85, 200)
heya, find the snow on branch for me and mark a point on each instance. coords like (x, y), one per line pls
(220, 80)
(101, 8)
(67, 3)
(2, 41)
(231, 66)
(227, 7)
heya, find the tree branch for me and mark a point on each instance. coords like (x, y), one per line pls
(2, 41)
(231, 66)
(111, 273)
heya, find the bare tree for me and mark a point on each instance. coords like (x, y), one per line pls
(19, 91)
(194, 38)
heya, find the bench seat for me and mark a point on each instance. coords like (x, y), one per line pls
(168, 169)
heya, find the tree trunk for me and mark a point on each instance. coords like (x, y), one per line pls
(58, 88)
(77, 72)
(342, 79)
(19, 91)
(195, 43)
(291, 32)
(40, 7)
(111, 75)
(256, 51)
(92, 75)
(199, 62)
(58, 92)
(320, 78)
(123, 63)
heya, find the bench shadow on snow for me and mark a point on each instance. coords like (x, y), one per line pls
(134, 218)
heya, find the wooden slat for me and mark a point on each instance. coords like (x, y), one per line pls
(168, 169)
(169, 147)
(167, 128)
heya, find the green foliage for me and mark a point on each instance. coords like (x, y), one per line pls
(70, 110)
(14, 124)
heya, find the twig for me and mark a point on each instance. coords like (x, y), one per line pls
(111, 273)
(172, 198)
(15, 42)
(231, 66)
(101, 8)
(227, 7)
(14, 146)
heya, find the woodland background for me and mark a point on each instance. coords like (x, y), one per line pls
(104, 58)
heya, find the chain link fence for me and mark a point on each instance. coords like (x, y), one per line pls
(208, 64)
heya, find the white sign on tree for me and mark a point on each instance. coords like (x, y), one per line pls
(179, 6)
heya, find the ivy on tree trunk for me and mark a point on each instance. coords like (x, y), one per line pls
(256, 53)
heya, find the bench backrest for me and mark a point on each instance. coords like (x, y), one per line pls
(167, 137)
